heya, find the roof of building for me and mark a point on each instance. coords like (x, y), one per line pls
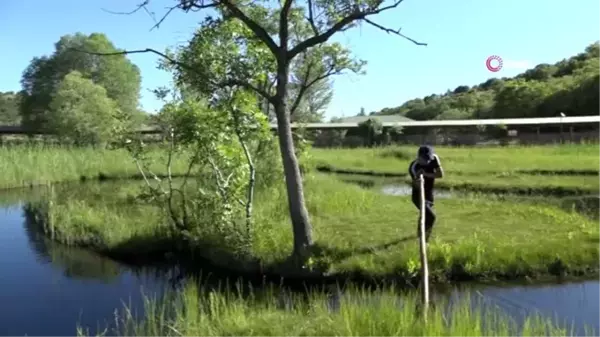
(381, 118)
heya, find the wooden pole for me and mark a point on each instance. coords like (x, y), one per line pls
(423, 250)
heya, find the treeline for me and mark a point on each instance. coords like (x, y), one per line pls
(9, 108)
(570, 86)
(86, 98)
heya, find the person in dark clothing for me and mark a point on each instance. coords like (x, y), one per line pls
(429, 165)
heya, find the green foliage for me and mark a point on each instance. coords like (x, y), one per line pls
(224, 52)
(81, 112)
(371, 130)
(9, 108)
(569, 86)
(218, 142)
(116, 74)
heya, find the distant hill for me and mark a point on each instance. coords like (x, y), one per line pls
(570, 86)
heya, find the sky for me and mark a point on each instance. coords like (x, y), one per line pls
(461, 35)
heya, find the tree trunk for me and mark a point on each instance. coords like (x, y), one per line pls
(301, 226)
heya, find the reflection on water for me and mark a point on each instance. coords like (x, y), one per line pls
(46, 288)
(74, 263)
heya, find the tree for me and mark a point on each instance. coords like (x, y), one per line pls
(81, 112)
(371, 131)
(117, 75)
(9, 108)
(247, 44)
(362, 112)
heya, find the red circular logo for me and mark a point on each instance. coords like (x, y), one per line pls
(494, 68)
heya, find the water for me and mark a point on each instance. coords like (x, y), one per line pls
(402, 190)
(570, 305)
(47, 289)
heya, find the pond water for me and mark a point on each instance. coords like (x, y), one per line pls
(48, 289)
(402, 190)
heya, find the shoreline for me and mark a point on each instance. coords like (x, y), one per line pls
(227, 267)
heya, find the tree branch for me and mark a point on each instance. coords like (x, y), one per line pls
(251, 173)
(250, 86)
(338, 26)
(303, 88)
(307, 84)
(186, 66)
(284, 33)
(311, 18)
(140, 6)
(259, 31)
(185, 6)
(391, 31)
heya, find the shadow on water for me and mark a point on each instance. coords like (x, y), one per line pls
(58, 287)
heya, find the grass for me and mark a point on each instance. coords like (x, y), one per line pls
(360, 232)
(554, 168)
(27, 165)
(103, 217)
(383, 312)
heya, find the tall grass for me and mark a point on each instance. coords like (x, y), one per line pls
(25, 165)
(358, 312)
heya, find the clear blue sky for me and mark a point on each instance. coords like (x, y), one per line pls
(461, 35)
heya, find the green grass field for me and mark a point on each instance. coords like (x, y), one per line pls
(383, 312)
(361, 231)
(566, 167)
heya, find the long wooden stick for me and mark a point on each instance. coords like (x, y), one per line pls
(423, 249)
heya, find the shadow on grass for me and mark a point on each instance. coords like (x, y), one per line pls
(338, 254)
(588, 205)
(329, 169)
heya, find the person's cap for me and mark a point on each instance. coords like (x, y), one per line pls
(426, 152)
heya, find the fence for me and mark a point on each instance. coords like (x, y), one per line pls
(449, 132)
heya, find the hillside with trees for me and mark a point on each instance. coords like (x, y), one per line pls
(570, 86)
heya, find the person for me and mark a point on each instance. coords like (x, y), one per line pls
(429, 165)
